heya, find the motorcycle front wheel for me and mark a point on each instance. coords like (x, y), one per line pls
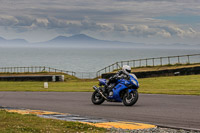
(131, 99)
(96, 98)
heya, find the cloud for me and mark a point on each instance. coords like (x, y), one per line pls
(8, 20)
(142, 31)
(24, 23)
(118, 18)
(176, 31)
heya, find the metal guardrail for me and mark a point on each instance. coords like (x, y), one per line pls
(168, 60)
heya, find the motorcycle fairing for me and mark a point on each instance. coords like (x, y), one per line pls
(102, 82)
(133, 80)
(116, 92)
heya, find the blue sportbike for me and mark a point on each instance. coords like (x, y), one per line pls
(116, 90)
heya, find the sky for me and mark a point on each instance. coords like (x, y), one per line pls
(137, 21)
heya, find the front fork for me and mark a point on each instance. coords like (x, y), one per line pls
(129, 91)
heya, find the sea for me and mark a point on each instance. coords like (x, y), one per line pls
(81, 59)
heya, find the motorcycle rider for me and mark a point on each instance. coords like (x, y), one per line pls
(122, 74)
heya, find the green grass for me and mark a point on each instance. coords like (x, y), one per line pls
(183, 85)
(74, 86)
(17, 123)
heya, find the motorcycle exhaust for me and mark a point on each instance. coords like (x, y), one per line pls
(97, 89)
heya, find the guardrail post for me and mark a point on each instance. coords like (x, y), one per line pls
(178, 60)
(153, 61)
(161, 61)
(188, 58)
(168, 60)
(117, 65)
(146, 63)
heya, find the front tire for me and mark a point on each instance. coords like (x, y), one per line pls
(96, 98)
(131, 99)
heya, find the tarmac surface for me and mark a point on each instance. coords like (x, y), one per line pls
(179, 111)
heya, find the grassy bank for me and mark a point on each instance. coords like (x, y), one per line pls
(183, 85)
(13, 122)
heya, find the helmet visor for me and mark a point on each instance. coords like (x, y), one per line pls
(129, 71)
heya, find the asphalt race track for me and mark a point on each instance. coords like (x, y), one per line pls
(167, 110)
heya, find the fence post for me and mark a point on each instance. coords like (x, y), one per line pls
(178, 60)
(117, 65)
(168, 60)
(97, 74)
(153, 61)
(161, 61)
(188, 59)
(140, 62)
(146, 63)
(134, 63)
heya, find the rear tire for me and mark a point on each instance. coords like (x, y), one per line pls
(132, 99)
(96, 98)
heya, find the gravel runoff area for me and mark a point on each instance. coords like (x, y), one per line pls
(154, 130)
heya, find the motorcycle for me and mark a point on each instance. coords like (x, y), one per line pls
(116, 90)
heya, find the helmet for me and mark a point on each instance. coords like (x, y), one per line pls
(126, 69)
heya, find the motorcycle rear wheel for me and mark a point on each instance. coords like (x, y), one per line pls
(96, 98)
(131, 99)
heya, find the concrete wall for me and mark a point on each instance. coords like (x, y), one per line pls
(53, 78)
(171, 72)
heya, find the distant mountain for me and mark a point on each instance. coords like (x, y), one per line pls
(19, 41)
(82, 40)
(4, 41)
(82, 37)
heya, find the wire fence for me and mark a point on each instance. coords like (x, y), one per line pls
(86, 75)
(43, 69)
(34, 69)
(158, 61)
